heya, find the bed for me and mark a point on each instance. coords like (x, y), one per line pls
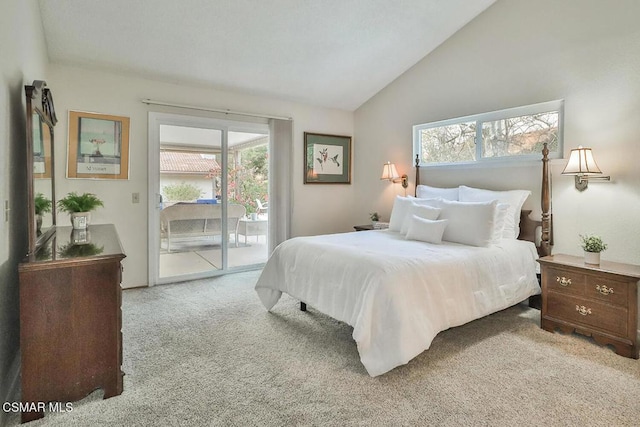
(398, 290)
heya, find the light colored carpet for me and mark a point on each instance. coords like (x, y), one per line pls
(207, 353)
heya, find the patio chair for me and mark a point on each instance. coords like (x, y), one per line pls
(262, 207)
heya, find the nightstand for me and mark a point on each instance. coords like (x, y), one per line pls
(600, 301)
(363, 227)
(377, 226)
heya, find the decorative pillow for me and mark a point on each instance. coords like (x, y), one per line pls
(514, 198)
(470, 223)
(501, 216)
(426, 192)
(426, 230)
(400, 208)
(426, 212)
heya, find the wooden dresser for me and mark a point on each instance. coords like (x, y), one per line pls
(600, 301)
(70, 318)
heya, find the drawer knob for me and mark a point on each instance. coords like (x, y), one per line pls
(563, 281)
(583, 310)
(604, 290)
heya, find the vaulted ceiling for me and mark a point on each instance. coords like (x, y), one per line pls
(331, 53)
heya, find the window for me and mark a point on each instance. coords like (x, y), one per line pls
(512, 134)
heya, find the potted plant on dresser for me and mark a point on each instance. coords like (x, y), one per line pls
(42, 206)
(79, 208)
(592, 246)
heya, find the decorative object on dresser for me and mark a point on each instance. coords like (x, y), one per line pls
(79, 207)
(70, 318)
(597, 301)
(592, 246)
(42, 206)
(583, 166)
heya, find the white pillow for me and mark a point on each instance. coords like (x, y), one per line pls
(501, 216)
(426, 212)
(426, 192)
(470, 223)
(400, 208)
(426, 230)
(514, 198)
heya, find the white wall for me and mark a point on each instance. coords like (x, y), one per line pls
(23, 59)
(317, 209)
(521, 52)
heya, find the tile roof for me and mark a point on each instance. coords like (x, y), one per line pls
(186, 162)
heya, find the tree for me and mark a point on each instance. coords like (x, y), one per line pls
(182, 192)
(249, 180)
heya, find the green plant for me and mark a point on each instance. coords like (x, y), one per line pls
(592, 243)
(182, 192)
(70, 250)
(374, 216)
(73, 202)
(42, 204)
(248, 180)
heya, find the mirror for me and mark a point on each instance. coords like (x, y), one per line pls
(41, 119)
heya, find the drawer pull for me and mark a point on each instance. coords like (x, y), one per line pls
(583, 310)
(604, 290)
(563, 281)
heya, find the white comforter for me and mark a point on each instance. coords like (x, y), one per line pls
(398, 294)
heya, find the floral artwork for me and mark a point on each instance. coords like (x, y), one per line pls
(327, 159)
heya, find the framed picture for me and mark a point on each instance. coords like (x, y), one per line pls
(327, 159)
(98, 146)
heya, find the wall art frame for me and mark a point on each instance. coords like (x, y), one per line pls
(327, 159)
(98, 146)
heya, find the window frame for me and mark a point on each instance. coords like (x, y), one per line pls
(479, 119)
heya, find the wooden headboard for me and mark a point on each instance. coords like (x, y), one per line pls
(529, 226)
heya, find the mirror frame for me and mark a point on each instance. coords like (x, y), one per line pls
(39, 103)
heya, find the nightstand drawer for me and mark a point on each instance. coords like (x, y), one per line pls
(565, 281)
(588, 312)
(610, 291)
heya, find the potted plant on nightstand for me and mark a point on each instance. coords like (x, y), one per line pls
(592, 246)
(42, 206)
(79, 207)
(374, 218)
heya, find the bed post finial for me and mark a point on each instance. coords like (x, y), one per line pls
(545, 243)
(415, 192)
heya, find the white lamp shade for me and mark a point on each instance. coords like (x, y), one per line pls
(389, 172)
(581, 162)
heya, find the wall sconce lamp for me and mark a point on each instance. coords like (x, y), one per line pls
(582, 165)
(390, 173)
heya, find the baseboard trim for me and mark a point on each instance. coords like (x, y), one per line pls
(13, 379)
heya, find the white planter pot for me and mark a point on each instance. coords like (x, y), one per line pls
(80, 220)
(80, 236)
(592, 258)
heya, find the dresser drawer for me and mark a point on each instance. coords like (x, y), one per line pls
(568, 282)
(588, 312)
(605, 289)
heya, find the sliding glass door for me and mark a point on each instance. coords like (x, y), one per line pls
(208, 181)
